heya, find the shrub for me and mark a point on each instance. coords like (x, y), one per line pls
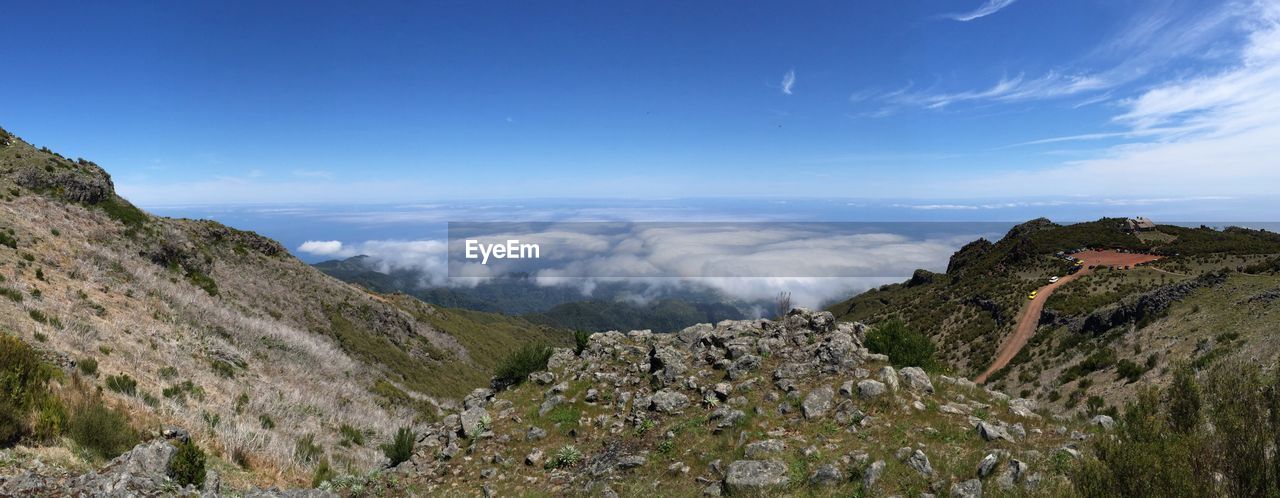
(224, 369)
(38, 316)
(351, 436)
(581, 339)
(124, 212)
(102, 430)
(13, 294)
(266, 422)
(305, 450)
(517, 366)
(187, 465)
(123, 384)
(400, 449)
(88, 366)
(23, 385)
(167, 373)
(323, 473)
(8, 240)
(905, 348)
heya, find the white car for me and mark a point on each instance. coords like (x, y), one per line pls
(1053, 279)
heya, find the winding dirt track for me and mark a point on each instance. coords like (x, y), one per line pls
(1029, 318)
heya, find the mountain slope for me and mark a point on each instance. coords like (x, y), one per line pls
(1103, 332)
(222, 330)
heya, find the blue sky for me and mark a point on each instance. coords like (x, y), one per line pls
(1018, 100)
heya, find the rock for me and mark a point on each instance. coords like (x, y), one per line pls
(668, 401)
(722, 390)
(534, 457)
(792, 370)
(743, 366)
(1071, 452)
(991, 432)
(955, 409)
(563, 357)
(968, 489)
(818, 402)
(987, 465)
(478, 397)
(542, 378)
(1023, 407)
(550, 404)
(872, 474)
(760, 449)
(176, 433)
(534, 433)
(826, 475)
(920, 463)
(846, 389)
(711, 490)
(868, 389)
(890, 378)
(666, 364)
(592, 396)
(1012, 474)
(1103, 421)
(631, 461)
(916, 380)
(756, 477)
(475, 421)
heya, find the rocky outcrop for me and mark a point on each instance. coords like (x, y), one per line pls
(1146, 306)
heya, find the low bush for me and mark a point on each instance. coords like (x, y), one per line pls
(400, 449)
(88, 366)
(581, 339)
(187, 465)
(103, 431)
(23, 386)
(517, 366)
(305, 450)
(905, 348)
(123, 384)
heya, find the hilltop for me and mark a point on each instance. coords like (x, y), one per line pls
(266, 361)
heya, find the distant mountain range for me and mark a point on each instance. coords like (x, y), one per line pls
(611, 305)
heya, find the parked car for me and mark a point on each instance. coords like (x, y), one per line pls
(1032, 295)
(1053, 279)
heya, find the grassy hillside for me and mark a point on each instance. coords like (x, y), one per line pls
(1101, 334)
(221, 331)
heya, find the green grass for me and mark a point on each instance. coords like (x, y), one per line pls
(121, 210)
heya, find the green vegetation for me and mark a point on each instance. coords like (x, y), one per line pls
(581, 339)
(324, 473)
(124, 212)
(567, 456)
(905, 348)
(516, 367)
(400, 449)
(305, 449)
(13, 294)
(23, 379)
(1189, 441)
(7, 239)
(123, 384)
(102, 430)
(203, 281)
(223, 369)
(188, 464)
(350, 436)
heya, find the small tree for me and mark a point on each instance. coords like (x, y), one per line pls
(400, 449)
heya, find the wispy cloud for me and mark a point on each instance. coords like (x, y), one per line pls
(991, 7)
(1016, 89)
(788, 81)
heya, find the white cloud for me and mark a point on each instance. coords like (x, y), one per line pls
(988, 8)
(788, 81)
(323, 248)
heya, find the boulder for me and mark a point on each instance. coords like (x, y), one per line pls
(868, 389)
(760, 449)
(968, 489)
(890, 378)
(756, 477)
(818, 402)
(920, 462)
(1103, 421)
(668, 401)
(916, 380)
(990, 432)
(987, 465)
(475, 421)
(826, 475)
(872, 474)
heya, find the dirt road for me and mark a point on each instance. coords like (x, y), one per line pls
(1029, 318)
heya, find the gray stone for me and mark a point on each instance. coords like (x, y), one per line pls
(873, 473)
(826, 475)
(920, 462)
(760, 449)
(631, 461)
(968, 489)
(534, 434)
(818, 402)
(668, 401)
(1012, 474)
(890, 378)
(990, 432)
(474, 421)
(534, 457)
(542, 378)
(868, 389)
(1103, 421)
(987, 465)
(550, 404)
(754, 477)
(916, 380)
(743, 366)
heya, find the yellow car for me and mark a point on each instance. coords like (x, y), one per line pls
(1032, 295)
